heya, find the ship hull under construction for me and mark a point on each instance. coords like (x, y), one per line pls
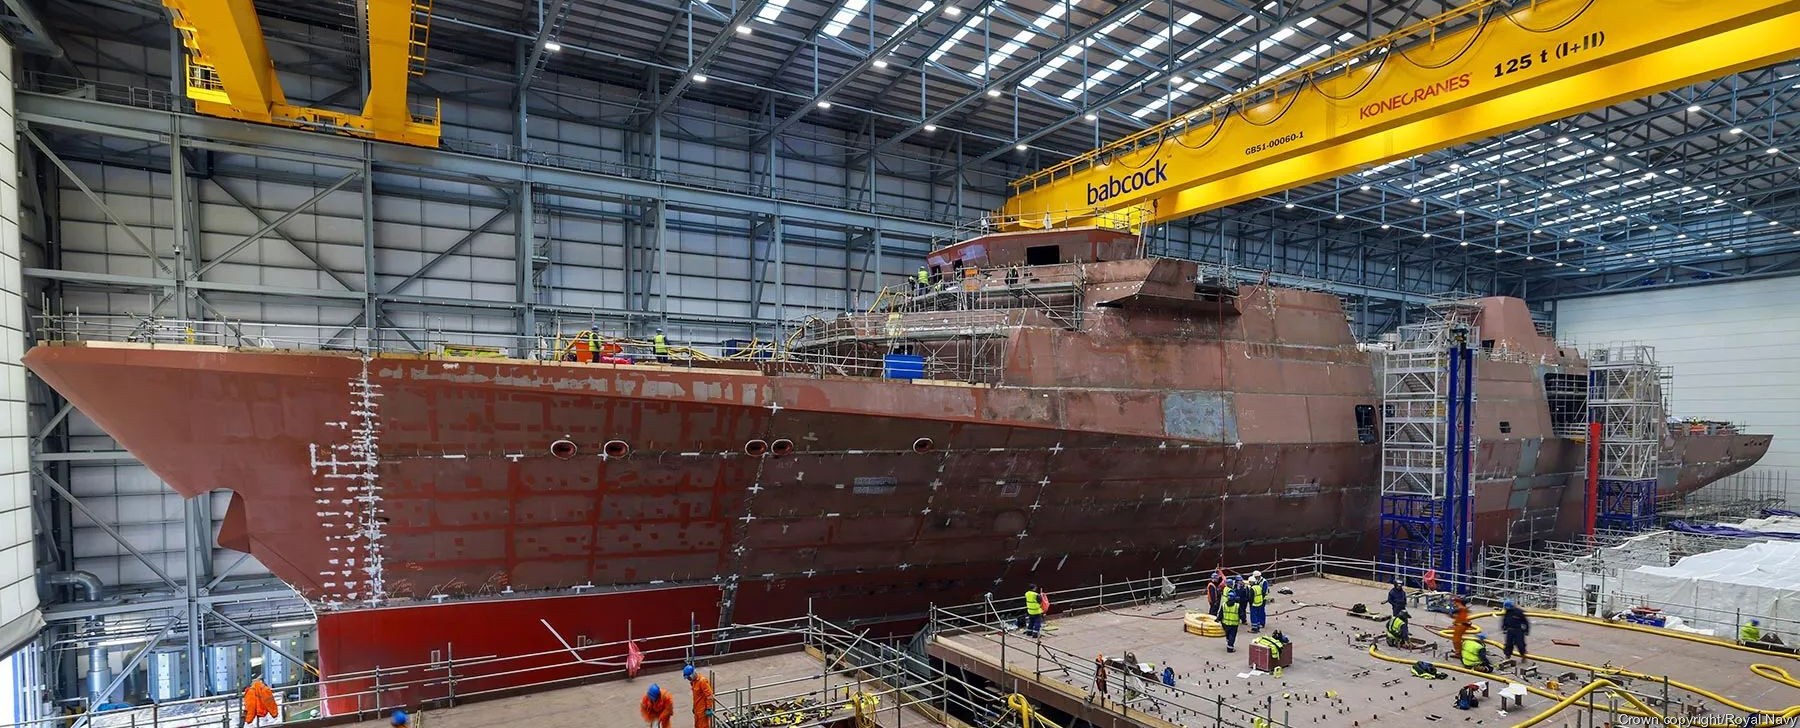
(893, 495)
(1099, 416)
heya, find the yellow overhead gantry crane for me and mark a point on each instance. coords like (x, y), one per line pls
(230, 74)
(1483, 69)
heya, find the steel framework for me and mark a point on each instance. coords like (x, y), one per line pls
(1426, 454)
(1625, 400)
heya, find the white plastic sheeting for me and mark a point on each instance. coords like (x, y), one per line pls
(1760, 579)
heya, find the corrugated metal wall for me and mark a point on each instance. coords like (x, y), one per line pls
(1735, 349)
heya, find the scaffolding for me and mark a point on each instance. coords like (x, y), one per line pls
(1426, 458)
(1625, 405)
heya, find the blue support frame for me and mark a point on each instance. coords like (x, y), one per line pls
(1626, 505)
(1420, 533)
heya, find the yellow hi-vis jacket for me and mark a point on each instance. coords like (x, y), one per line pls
(1471, 652)
(1259, 592)
(923, 276)
(1032, 604)
(1749, 633)
(1233, 615)
(661, 343)
(1396, 626)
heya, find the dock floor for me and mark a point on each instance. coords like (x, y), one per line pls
(1368, 691)
(615, 702)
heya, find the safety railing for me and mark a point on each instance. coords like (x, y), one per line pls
(1129, 220)
(438, 684)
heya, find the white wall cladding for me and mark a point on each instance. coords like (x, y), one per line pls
(19, 617)
(1735, 349)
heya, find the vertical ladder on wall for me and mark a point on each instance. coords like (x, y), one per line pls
(1426, 454)
(1626, 407)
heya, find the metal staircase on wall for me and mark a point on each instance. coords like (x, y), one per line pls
(1625, 403)
(1426, 458)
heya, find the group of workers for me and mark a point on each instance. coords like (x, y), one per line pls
(587, 347)
(1471, 649)
(658, 708)
(1235, 600)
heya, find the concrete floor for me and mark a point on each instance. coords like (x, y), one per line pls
(1369, 691)
(615, 703)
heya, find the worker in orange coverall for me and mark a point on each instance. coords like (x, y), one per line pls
(658, 709)
(703, 696)
(259, 702)
(1462, 625)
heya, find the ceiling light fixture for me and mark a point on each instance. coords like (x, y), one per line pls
(953, 11)
(699, 78)
(1091, 117)
(1415, 200)
(1694, 108)
(1737, 130)
(1729, 250)
(881, 63)
(745, 29)
(1559, 265)
(552, 46)
(1365, 188)
(1176, 80)
(1582, 270)
(1385, 226)
(1340, 216)
(1289, 205)
(823, 104)
(1021, 147)
(1426, 235)
(1464, 243)
(993, 93)
(1773, 150)
(1531, 257)
(930, 127)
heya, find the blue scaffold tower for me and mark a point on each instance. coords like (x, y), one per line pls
(1427, 450)
(1626, 406)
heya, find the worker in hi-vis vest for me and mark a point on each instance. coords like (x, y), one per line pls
(1397, 629)
(660, 344)
(1036, 604)
(1259, 594)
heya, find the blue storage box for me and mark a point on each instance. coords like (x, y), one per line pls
(903, 366)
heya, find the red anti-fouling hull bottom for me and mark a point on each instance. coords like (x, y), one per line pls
(495, 644)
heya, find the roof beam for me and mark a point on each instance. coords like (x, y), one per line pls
(745, 11)
(549, 24)
(1011, 78)
(883, 51)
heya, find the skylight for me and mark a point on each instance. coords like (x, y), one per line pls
(771, 11)
(844, 16)
(1018, 41)
(1238, 60)
(968, 26)
(1153, 43)
(1071, 52)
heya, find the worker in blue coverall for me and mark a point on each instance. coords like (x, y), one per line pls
(1259, 597)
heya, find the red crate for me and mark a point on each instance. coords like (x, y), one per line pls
(1259, 657)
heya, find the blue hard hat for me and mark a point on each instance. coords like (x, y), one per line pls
(655, 691)
(1754, 622)
(687, 671)
(1509, 604)
(399, 717)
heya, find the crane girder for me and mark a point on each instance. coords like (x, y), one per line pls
(229, 72)
(1502, 67)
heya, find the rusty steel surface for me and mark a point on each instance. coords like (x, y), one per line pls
(1131, 441)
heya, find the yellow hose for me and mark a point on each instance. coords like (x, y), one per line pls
(1540, 692)
(1597, 684)
(1771, 672)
